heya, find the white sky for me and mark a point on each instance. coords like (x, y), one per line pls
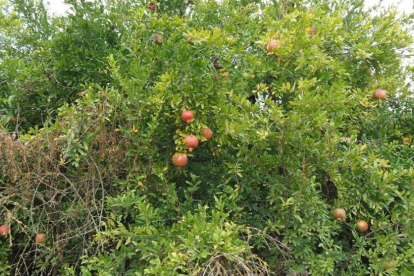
(402, 5)
(58, 7)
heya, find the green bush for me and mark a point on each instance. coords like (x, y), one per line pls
(90, 119)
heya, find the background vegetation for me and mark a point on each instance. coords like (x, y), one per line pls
(90, 107)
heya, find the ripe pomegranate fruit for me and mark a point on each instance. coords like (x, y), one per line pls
(207, 133)
(179, 160)
(339, 213)
(157, 38)
(380, 94)
(4, 230)
(389, 265)
(273, 44)
(187, 115)
(152, 6)
(226, 75)
(311, 31)
(362, 226)
(191, 142)
(40, 238)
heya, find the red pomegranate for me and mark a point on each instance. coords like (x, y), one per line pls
(380, 94)
(207, 133)
(179, 160)
(339, 213)
(40, 238)
(152, 6)
(157, 38)
(312, 31)
(187, 115)
(191, 142)
(273, 44)
(389, 265)
(362, 226)
(4, 230)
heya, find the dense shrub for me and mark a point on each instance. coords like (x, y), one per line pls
(91, 108)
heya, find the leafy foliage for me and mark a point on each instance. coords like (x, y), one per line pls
(90, 118)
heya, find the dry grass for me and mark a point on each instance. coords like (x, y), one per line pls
(40, 192)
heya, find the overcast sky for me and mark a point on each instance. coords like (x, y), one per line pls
(58, 7)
